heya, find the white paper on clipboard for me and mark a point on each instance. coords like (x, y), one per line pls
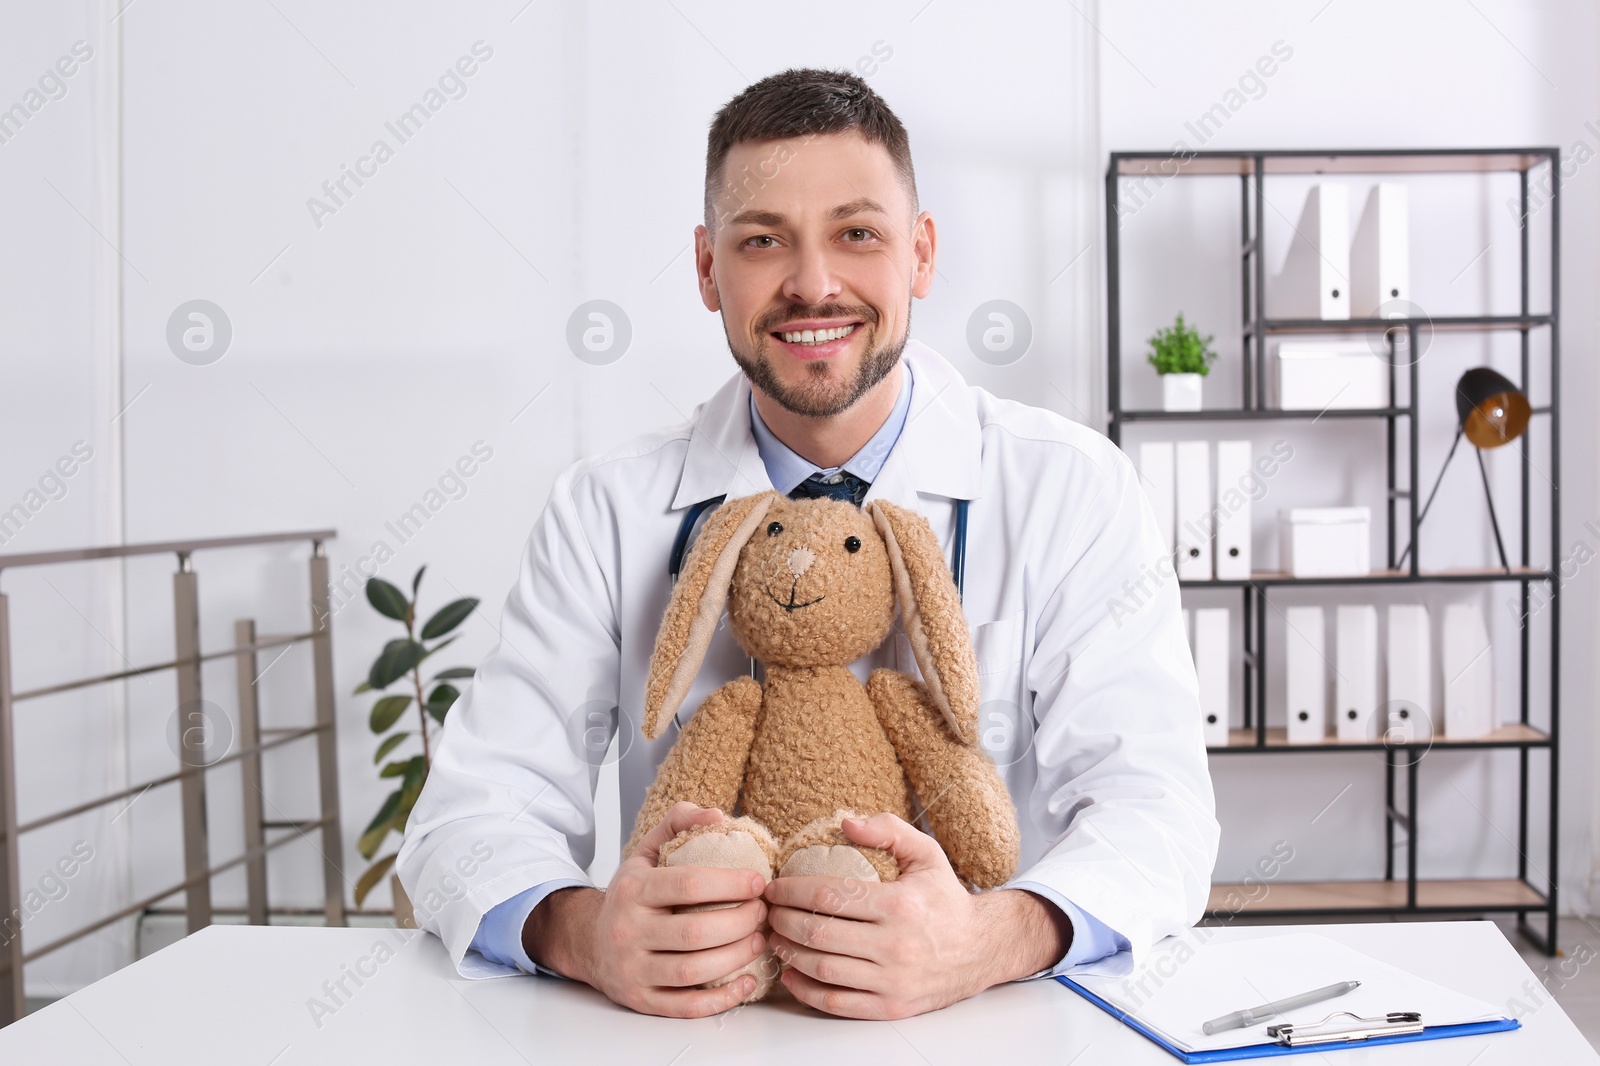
(1179, 985)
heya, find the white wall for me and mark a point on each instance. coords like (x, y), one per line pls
(59, 381)
(426, 313)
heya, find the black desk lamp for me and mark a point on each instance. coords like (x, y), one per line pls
(1490, 412)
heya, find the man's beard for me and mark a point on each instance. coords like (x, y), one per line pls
(816, 398)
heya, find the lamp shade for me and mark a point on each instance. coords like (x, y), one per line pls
(1491, 409)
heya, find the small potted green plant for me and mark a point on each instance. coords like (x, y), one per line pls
(1182, 357)
(401, 662)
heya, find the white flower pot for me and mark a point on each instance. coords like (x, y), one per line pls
(1180, 392)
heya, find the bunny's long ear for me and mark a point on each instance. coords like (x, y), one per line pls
(930, 611)
(696, 606)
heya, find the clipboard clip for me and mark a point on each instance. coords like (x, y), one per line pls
(1344, 1027)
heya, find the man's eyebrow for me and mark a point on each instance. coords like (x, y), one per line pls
(758, 218)
(861, 205)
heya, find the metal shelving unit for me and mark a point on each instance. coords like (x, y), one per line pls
(1406, 893)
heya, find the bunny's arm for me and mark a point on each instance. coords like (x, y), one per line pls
(966, 803)
(706, 766)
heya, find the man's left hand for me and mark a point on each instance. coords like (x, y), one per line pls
(864, 949)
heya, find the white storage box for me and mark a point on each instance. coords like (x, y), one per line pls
(1316, 376)
(1325, 541)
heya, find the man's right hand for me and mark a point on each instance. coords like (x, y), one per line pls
(628, 943)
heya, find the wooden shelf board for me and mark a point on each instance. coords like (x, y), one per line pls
(1447, 161)
(1277, 577)
(1468, 894)
(1261, 414)
(1441, 324)
(1278, 737)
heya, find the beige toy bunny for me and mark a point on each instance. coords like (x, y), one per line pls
(810, 586)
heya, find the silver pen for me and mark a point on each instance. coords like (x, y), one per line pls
(1239, 1019)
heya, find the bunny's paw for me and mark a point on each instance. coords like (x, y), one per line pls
(822, 850)
(733, 844)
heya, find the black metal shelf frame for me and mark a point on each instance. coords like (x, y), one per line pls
(1252, 169)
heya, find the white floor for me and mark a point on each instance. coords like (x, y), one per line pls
(1572, 978)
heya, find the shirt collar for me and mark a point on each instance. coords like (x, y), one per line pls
(939, 451)
(786, 469)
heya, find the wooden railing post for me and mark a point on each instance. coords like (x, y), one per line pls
(327, 736)
(12, 1005)
(193, 732)
(255, 833)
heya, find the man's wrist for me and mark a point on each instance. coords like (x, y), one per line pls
(557, 932)
(1027, 933)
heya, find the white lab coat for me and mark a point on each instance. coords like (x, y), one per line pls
(1090, 705)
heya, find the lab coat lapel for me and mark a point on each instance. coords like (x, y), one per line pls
(722, 459)
(940, 450)
(939, 453)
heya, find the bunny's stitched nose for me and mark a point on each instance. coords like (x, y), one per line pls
(800, 560)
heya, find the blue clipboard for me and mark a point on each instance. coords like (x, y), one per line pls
(1261, 1051)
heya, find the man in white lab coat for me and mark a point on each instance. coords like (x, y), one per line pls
(812, 249)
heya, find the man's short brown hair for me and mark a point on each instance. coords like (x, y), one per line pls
(799, 103)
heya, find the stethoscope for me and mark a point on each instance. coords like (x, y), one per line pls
(680, 548)
(680, 543)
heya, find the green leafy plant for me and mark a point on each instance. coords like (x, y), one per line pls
(401, 662)
(1179, 349)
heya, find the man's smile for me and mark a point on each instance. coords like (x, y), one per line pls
(805, 340)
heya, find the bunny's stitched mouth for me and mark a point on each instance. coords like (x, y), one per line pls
(791, 605)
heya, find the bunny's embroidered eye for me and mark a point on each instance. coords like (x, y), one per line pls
(774, 528)
(852, 544)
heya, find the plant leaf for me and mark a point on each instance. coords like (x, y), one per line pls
(391, 803)
(1179, 349)
(407, 801)
(445, 643)
(389, 745)
(386, 599)
(372, 838)
(416, 770)
(396, 768)
(380, 825)
(387, 711)
(374, 873)
(363, 687)
(395, 661)
(454, 672)
(440, 701)
(418, 579)
(448, 617)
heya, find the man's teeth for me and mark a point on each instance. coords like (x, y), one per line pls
(818, 336)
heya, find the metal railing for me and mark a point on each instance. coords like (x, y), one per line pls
(190, 777)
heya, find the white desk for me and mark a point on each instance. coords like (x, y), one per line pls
(238, 994)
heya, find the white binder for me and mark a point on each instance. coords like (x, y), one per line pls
(1211, 663)
(1155, 471)
(1409, 709)
(1233, 509)
(1195, 526)
(1468, 672)
(1380, 255)
(1307, 668)
(1315, 280)
(1356, 660)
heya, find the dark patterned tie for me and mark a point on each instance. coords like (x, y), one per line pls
(840, 486)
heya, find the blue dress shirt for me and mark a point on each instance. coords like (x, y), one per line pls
(786, 470)
(499, 936)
